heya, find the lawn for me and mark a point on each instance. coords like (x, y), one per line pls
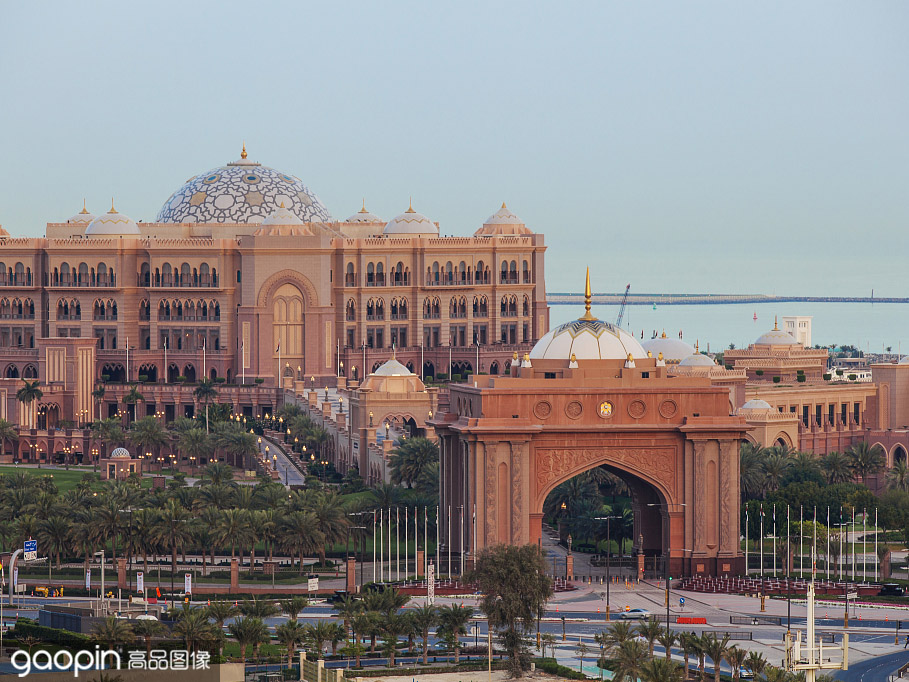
(64, 480)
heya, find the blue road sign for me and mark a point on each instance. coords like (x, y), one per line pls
(31, 546)
(681, 601)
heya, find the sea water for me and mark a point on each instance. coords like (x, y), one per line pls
(870, 327)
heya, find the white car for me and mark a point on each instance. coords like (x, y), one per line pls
(636, 614)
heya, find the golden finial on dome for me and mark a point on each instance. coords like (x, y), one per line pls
(696, 349)
(660, 356)
(410, 207)
(363, 210)
(587, 296)
(243, 153)
(630, 358)
(526, 357)
(775, 325)
(282, 204)
(112, 209)
(664, 334)
(504, 206)
(649, 354)
(84, 210)
(573, 358)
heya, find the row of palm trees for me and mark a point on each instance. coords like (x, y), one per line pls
(629, 652)
(764, 470)
(374, 619)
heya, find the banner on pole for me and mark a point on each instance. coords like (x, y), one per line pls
(431, 584)
(88, 579)
(188, 583)
(15, 576)
(140, 582)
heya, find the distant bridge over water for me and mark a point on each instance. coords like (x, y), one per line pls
(711, 299)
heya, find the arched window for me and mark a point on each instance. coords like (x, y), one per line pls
(186, 275)
(526, 307)
(370, 309)
(380, 275)
(167, 275)
(351, 311)
(30, 372)
(350, 276)
(462, 272)
(526, 272)
(12, 372)
(402, 310)
(449, 274)
(370, 275)
(435, 273)
(504, 277)
(144, 310)
(205, 275)
(144, 275)
(398, 275)
(380, 309)
(29, 309)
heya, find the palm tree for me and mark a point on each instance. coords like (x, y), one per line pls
(410, 457)
(362, 624)
(113, 631)
(666, 639)
(173, 530)
(776, 463)
(148, 435)
(147, 629)
(205, 393)
(132, 397)
(217, 473)
(393, 626)
(28, 394)
(716, 648)
(259, 608)
(292, 606)
(736, 656)
(755, 663)
(424, 618)
(582, 650)
(220, 611)
(649, 629)
(865, 459)
(107, 432)
(662, 670)
(248, 631)
(628, 657)
(688, 645)
(453, 620)
(54, 534)
(331, 519)
(299, 535)
(835, 466)
(234, 529)
(194, 443)
(290, 634)
(7, 432)
(318, 634)
(547, 640)
(898, 476)
(751, 472)
(239, 445)
(193, 628)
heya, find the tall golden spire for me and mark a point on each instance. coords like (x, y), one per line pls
(776, 327)
(587, 296)
(112, 209)
(363, 210)
(410, 207)
(504, 206)
(243, 153)
(84, 209)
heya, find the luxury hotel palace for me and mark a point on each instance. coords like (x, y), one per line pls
(244, 277)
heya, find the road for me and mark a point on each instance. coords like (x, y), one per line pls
(290, 475)
(877, 669)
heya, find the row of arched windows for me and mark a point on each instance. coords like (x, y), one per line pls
(198, 311)
(375, 309)
(509, 306)
(28, 372)
(104, 310)
(377, 277)
(83, 275)
(18, 275)
(450, 274)
(432, 308)
(17, 309)
(169, 275)
(69, 310)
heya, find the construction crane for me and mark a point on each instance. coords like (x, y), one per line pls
(618, 322)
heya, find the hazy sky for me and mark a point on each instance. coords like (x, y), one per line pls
(679, 146)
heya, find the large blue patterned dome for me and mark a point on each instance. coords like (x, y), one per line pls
(241, 192)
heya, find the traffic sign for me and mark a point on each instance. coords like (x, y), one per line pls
(30, 549)
(681, 601)
(312, 584)
(852, 595)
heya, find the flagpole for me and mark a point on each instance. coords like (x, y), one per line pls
(165, 361)
(801, 542)
(877, 563)
(827, 556)
(243, 362)
(788, 551)
(864, 545)
(398, 543)
(775, 540)
(746, 542)
(761, 541)
(374, 541)
(814, 543)
(449, 542)
(853, 549)
(381, 547)
(406, 546)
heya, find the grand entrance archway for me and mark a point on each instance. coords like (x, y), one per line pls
(672, 441)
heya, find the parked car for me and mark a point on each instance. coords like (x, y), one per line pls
(745, 674)
(636, 614)
(891, 590)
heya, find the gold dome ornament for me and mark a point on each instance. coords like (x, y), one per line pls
(587, 296)
(243, 153)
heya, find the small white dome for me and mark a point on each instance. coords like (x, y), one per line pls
(364, 216)
(82, 217)
(112, 224)
(282, 216)
(673, 350)
(392, 368)
(121, 453)
(776, 337)
(587, 339)
(697, 360)
(756, 404)
(904, 360)
(502, 221)
(411, 222)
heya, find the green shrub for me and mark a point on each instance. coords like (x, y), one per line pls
(105, 377)
(260, 380)
(220, 380)
(759, 372)
(455, 377)
(853, 377)
(549, 665)
(827, 377)
(143, 378)
(801, 378)
(839, 372)
(777, 380)
(181, 379)
(442, 376)
(26, 627)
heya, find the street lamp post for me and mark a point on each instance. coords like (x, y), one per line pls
(668, 548)
(607, 519)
